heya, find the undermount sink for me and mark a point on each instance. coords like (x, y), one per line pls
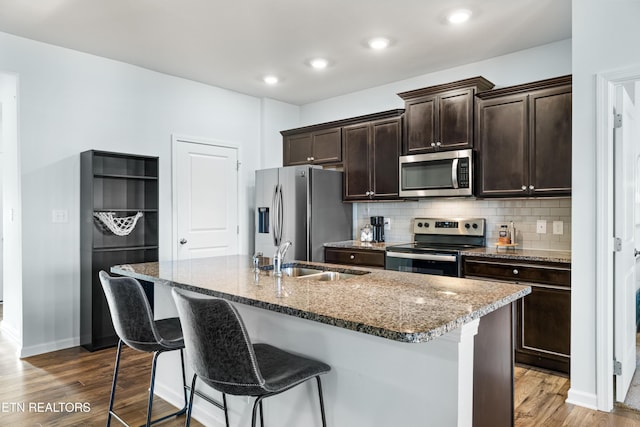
(311, 272)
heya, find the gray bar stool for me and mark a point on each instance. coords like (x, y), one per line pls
(223, 357)
(133, 321)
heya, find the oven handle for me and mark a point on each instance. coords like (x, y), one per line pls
(423, 257)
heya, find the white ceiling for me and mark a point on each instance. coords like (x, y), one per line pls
(234, 43)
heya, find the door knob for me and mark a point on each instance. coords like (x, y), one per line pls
(636, 253)
(183, 241)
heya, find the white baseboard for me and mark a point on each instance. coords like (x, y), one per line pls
(49, 347)
(588, 400)
(10, 333)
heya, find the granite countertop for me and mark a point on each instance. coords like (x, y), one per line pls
(395, 305)
(357, 244)
(520, 254)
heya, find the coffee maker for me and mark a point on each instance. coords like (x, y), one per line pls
(377, 223)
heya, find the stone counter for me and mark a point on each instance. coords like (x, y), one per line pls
(357, 244)
(514, 254)
(398, 306)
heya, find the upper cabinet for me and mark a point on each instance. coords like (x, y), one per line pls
(523, 139)
(371, 151)
(441, 117)
(322, 146)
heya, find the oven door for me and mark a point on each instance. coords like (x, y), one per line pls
(440, 264)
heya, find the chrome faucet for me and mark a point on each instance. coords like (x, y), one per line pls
(279, 257)
(256, 261)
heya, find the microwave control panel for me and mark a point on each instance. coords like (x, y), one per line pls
(463, 172)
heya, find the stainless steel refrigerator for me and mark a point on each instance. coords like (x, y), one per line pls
(302, 204)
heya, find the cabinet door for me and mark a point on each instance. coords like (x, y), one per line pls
(420, 125)
(327, 146)
(502, 147)
(385, 148)
(550, 141)
(356, 182)
(455, 119)
(297, 149)
(543, 334)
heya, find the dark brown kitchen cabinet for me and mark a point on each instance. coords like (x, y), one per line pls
(350, 256)
(542, 323)
(441, 117)
(523, 139)
(319, 147)
(371, 151)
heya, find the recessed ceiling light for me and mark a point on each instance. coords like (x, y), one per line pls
(270, 80)
(319, 63)
(459, 16)
(379, 43)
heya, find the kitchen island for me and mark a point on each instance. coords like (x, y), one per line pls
(401, 345)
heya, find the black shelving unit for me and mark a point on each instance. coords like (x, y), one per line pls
(123, 184)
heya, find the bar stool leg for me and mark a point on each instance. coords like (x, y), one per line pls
(324, 419)
(153, 380)
(113, 384)
(258, 402)
(226, 414)
(193, 391)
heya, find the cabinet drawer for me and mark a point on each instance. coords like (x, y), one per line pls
(354, 257)
(546, 274)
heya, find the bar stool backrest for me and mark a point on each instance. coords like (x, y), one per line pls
(130, 312)
(218, 346)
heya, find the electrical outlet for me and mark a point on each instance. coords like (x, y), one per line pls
(541, 226)
(558, 227)
(387, 223)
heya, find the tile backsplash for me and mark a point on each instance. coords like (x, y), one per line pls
(523, 212)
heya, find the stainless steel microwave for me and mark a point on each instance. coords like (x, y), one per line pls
(445, 173)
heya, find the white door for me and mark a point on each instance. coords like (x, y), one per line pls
(205, 200)
(625, 161)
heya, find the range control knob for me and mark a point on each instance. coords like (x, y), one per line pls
(426, 224)
(420, 224)
(475, 225)
(467, 225)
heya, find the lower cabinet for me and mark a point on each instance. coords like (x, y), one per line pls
(542, 324)
(359, 257)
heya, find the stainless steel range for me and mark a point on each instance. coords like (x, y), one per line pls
(437, 246)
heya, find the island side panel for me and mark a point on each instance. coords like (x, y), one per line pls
(493, 390)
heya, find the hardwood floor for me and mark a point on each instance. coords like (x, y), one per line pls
(77, 376)
(540, 401)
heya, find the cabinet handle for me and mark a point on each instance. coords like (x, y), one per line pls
(433, 144)
(515, 271)
(352, 256)
(438, 144)
(531, 187)
(524, 187)
(312, 158)
(183, 241)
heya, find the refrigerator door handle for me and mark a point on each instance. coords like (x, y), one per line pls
(280, 213)
(274, 207)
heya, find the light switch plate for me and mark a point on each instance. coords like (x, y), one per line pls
(558, 227)
(60, 216)
(541, 226)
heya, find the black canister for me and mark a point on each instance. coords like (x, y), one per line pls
(377, 223)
